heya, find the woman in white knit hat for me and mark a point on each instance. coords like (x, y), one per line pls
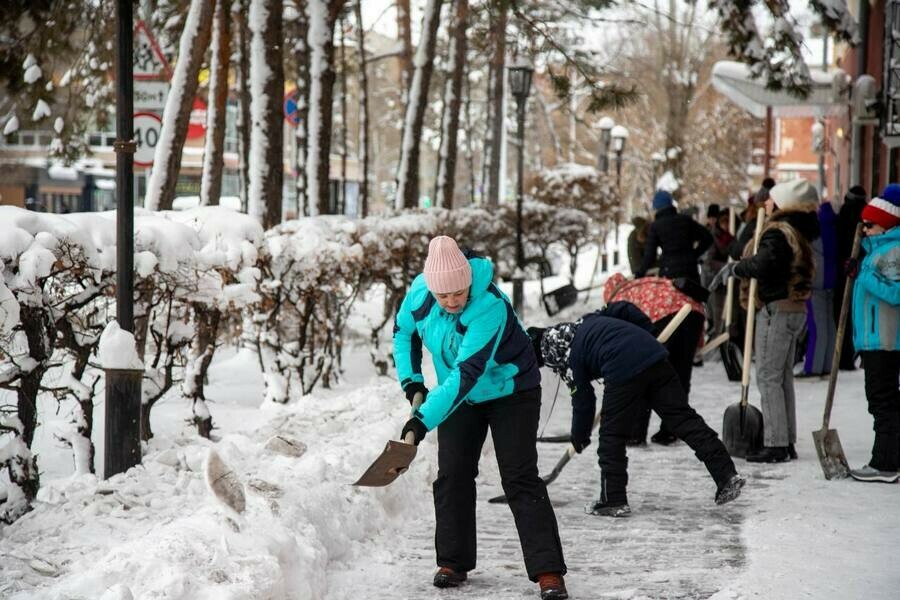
(487, 378)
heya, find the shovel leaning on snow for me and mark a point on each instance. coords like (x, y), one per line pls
(395, 459)
(827, 443)
(662, 338)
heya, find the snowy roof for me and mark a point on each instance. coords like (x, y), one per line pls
(733, 80)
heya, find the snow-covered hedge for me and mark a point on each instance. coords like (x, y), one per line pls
(203, 277)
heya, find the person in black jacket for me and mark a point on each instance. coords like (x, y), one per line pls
(783, 266)
(849, 216)
(682, 240)
(615, 345)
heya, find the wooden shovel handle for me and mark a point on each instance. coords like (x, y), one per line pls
(751, 315)
(418, 399)
(842, 326)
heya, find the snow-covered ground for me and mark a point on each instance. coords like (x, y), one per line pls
(157, 532)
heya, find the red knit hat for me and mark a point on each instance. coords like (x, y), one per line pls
(882, 212)
(446, 268)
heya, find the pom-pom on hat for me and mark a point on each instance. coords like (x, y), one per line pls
(662, 199)
(796, 194)
(884, 211)
(446, 268)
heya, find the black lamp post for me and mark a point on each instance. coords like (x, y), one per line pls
(619, 135)
(520, 86)
(605, 125)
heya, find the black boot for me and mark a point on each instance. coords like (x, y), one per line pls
(770, 454)
(608, 509)
(730, 490)
(448, 578)
(663, 438)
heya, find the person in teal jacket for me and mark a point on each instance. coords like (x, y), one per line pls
(488, 377)
(876, 331)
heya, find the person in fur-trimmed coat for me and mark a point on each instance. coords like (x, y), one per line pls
(784, 267)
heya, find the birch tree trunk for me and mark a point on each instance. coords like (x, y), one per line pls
(243, 122)
(342, 205)
(452, 102)
(499, 72)
(363, 142)
(408, 173)
(214, 147)
(266, 91)
(167, 157)
(301, 49)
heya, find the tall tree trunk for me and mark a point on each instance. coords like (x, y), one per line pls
(404, 34)
(470, 138)
(498, 35)
(322, 18)
(214, 151)
(243, 121)
(452, 103)
(343, 203)
(301, 50)
(267, 90)
(408, 176)
(207, 320)
(363, 141)
(167, 158)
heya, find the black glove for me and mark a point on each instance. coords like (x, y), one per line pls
(413, 388)
(580, 445)
(418, 429)
(851, 267)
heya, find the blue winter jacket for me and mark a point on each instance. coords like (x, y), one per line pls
(876, 294)
(481, 353)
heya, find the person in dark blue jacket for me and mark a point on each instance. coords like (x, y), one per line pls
(488, 377)
(615, 345)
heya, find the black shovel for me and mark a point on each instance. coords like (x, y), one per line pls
(394, 460)
(827, 443)
(730, 351)
(742, 424)
(563, 297)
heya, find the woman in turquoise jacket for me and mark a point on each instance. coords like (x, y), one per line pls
(488, 377)
(876, 331)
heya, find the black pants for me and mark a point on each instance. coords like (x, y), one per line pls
(682, 347)
(882, 372)
(657, 387)
(513, 421)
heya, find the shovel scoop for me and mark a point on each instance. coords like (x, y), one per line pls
(394, 460)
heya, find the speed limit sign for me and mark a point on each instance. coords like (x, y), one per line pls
(147, 128)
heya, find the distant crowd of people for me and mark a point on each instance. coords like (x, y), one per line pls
(488, 364)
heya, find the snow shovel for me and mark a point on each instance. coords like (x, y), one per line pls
(730, 352)
(742, 424)
(827, 443)
(563, 297)
(662, 338)
(394, 460)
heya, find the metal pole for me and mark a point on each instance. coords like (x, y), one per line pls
(518, 292)
(767, 156)
(123, 386)
(618, 208)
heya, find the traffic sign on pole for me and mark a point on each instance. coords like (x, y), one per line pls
(149, 62)
(147, 129)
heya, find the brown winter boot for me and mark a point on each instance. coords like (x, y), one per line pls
(552, 586)
(448, 578)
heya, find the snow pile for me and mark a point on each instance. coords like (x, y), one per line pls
(117, 349)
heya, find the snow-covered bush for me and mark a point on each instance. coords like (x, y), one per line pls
(577, 186)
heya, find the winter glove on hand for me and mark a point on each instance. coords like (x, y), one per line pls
(417, 428)
(851, 267)
(580, 445)
(722, 276)
(414, 388)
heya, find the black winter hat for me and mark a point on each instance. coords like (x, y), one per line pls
(856, 194)
(712, 211)
(536, 333)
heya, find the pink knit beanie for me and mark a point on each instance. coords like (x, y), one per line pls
(446, 268)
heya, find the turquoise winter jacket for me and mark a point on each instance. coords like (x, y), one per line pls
(876, 294)
(481, 353)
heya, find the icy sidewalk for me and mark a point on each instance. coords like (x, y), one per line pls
(308, 535)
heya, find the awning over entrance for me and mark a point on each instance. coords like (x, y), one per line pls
(733, 80)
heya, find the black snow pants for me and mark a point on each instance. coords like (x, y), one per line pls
(658, 388)
(513, 421)
(882, 369)
(682, 347)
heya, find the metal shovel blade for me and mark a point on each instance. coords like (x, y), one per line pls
(389, 465)
(831, 454)
(742, 429)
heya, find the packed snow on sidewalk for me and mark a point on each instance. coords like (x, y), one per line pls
(158, 532)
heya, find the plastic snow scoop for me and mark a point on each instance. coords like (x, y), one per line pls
(395, 459)
(662, 338)
(827, 443)
(742, 424)
(563, 297)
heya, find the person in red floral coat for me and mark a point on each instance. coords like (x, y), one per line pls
(659, 299)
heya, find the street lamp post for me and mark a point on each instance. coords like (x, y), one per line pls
(605, 125)
(619, 135)
(520, 86)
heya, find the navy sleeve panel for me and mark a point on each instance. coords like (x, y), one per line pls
(626, 311)
(515, 348)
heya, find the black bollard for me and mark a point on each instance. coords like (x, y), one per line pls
(122, 441)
